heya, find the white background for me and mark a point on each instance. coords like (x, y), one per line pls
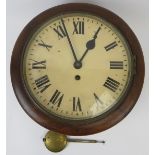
(129, 137)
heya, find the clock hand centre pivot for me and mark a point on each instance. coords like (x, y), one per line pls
(77, 64)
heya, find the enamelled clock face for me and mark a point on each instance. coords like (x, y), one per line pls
(100, 78)
(77, 69)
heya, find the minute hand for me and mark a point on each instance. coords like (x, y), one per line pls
(90, 44)
(69, 41)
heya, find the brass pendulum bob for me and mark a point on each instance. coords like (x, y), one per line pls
(56, 142)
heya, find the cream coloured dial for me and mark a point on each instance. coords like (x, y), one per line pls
(77, 66)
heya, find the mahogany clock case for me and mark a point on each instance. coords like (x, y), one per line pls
(85, 127)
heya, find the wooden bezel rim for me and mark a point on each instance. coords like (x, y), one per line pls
(55, 123)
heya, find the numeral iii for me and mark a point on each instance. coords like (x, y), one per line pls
(116, 64)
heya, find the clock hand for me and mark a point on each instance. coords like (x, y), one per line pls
(70, 43)
(90, 44)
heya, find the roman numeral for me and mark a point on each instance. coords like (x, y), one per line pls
(116, 64)
(110, 46)
(42, 83)
(60, 31)
(39, 64)
(78, 27)
(44, 45)
(111, 84)
(57, 98)
(76, 104)
(97, 99)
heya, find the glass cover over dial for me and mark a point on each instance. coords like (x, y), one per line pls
(77, 66)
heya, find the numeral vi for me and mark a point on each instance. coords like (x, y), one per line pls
(76, 104)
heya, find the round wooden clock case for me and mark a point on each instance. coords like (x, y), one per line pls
(90, 125)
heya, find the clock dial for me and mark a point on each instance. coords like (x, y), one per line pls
(77, 66)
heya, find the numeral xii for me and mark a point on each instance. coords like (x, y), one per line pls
(78, 27)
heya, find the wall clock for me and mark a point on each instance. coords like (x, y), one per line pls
(77, 69)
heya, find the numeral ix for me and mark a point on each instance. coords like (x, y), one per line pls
(39, 64)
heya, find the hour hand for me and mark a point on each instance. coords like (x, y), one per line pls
(95, 35)
(90, 44)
